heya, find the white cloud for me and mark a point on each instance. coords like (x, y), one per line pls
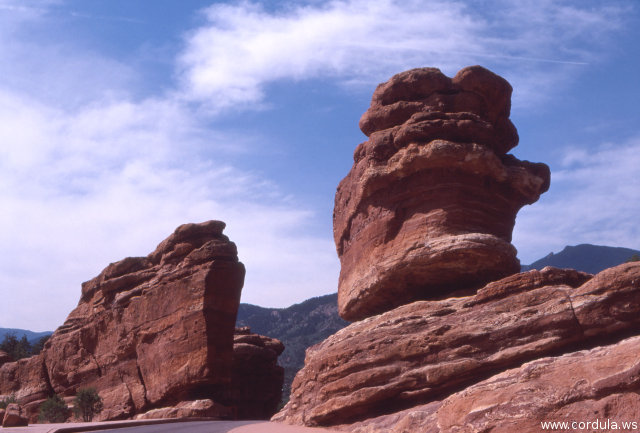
(594, 198)
(82, 189)
(89, 175)
(244, 47)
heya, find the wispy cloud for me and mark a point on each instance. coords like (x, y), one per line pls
(244, 47)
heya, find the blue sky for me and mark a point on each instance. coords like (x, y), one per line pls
(122, 119)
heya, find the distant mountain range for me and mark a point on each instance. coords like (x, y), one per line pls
(33, 337)
(585, 257)
(302, 325)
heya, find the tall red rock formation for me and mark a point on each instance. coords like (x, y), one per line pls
(148, 332)
(422, 219)
(430, 203)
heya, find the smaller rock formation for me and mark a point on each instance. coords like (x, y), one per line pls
(430, 203)
(256, 384)
(255, 389)
(150, 332)
(14, 417)
(27, 379)
(205, 408)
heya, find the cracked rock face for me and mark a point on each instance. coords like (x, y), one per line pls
(421, 352)
(431, 200)
(148, 332)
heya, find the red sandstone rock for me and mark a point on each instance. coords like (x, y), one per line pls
(256, 387)
(420, 352)
(430, 203)
(205, 408)
(27, 380)
(598, 386)
(13, 416)
(148, 331)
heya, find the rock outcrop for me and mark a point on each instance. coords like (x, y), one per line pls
(13, 416)
(149, 332)
(256, 380)
(449, 338)
(430, 203)
(205, 408)
(419, 352)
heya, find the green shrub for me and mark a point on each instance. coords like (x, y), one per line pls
(7, 401)
(87, 404)
(54, 409)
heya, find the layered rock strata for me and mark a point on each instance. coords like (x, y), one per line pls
(425, 350)
(148, 332)
(589, 390)
(430, 203)
(460, 342)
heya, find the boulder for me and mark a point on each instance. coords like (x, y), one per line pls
(27, 380)
(430, 203)
(205, 408)
(256, 385)
(419, 352)
(13, 416)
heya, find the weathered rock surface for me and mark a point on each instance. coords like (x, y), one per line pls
(449, 338)
(429, 205)
(27, 379)
(600, 386)
(256, 385)
(420, 352)
(14, 417)
(148, 332)
(204, 408)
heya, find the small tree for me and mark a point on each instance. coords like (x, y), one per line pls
(17, 349)
(7, 401)
(87, 404)
(54, 409)
(634, 258)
